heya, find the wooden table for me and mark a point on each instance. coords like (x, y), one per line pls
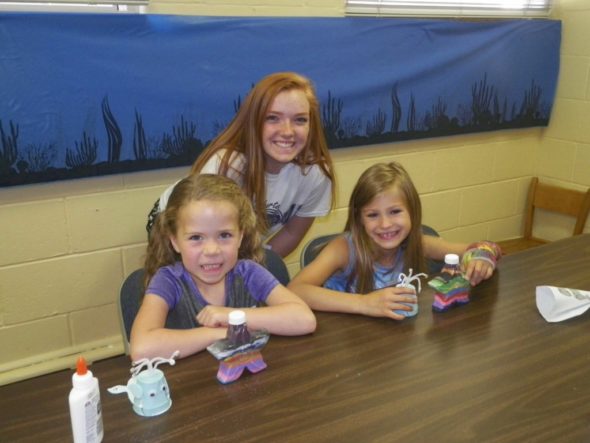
(491, 371)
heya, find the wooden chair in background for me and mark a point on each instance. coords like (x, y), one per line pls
(551, 198)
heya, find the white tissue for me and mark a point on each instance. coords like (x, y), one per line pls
(558, 304)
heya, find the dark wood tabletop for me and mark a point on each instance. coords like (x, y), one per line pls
(490, 371)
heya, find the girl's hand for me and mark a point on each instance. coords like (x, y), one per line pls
(383, 302)
(478, 271)
(479, 261)
(214, 316)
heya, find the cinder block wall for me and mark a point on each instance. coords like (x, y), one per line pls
(67, 246)
(564, 151)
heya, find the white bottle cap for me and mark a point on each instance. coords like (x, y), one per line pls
(237, 317)
(452, 259)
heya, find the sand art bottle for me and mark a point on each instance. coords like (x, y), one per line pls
(237, 332)
(451, 287)
(451, 266)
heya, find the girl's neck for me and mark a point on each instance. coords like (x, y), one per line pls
(212, 294)
(387, 258)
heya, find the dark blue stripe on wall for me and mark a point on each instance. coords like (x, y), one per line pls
(77, 89)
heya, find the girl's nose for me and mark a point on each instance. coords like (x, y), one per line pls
(211, 247)
(385, 222)
(286, 129)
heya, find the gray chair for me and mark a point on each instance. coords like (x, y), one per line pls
(314, 246)
(132, 291)
(129, 302)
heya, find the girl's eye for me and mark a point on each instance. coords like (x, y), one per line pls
(371, 215)
(226, 235)
(195, 238)
(272, 118)
(302, 120)
(395, 211)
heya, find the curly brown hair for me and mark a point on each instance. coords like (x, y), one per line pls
(160, 251)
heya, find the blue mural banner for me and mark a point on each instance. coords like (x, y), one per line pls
(85, 94)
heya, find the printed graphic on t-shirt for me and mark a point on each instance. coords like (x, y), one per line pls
(276, 217)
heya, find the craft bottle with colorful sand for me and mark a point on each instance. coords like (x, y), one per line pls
(85, 408)
(451, 288)
(237, 331)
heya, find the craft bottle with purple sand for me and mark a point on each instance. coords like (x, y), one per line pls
(237, 331)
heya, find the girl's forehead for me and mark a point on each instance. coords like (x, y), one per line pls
(210, 208)
(291, 98)
(391, 195)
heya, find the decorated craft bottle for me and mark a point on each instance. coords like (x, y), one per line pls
(237, 331)
(451, 267)
(451, 288)
(85, 408)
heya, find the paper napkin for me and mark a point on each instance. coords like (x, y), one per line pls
(558, 304)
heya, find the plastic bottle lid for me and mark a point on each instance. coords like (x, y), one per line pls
(237, 317)
(81, 367)
(452, 259)
(82, 378)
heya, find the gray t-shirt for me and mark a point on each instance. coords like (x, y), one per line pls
(291, 192)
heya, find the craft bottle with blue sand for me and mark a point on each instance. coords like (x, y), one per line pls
(85, 408)
(451, 288)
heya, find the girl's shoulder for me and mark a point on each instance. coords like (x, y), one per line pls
(339, 250)
(237, 160)
(257, 279)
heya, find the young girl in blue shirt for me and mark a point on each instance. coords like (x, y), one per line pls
(383, 238)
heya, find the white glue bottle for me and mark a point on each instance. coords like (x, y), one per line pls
(85, 408)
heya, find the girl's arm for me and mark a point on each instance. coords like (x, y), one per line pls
(285, 314)
(149, 337)
(476, 270)
(334, 257)
(289, 236)
(437, 247)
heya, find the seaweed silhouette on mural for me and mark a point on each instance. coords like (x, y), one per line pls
(531, 107)
(396, 109)
(37, 158)
(182, 146)
(140, 145)
(331, 114)
(115, 137)
(483, 110)
(85, 153)
(9, 152)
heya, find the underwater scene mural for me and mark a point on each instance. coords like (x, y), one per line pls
(91, 94)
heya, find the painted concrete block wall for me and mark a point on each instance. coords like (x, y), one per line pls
(564, 151)
(66, 246)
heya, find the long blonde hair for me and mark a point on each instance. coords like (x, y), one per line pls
(244, 135)
(195, 188)
(376, 179)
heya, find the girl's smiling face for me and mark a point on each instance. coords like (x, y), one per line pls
(285, 129)
(208, 239)
(386, 219)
